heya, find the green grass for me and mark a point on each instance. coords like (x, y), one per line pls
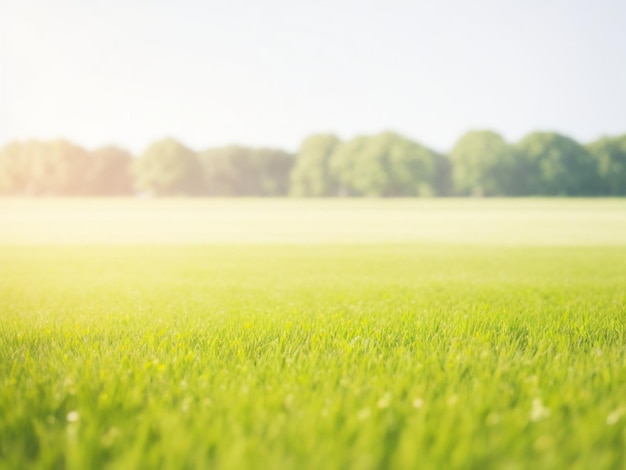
(334, 356)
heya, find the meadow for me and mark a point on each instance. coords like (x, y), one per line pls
(313, 334)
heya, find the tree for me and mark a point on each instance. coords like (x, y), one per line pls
(482, 165)
(109, 172)
(443, 176)
(44, 168)
(610, 156)
(14, 168)
(168, 168)
(550, 164)
(311, 174)
(244, 171)
(386, 165)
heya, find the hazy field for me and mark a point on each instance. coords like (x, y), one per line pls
(326, 334)
(199, 221)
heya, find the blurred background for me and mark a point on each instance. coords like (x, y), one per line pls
(325, 98)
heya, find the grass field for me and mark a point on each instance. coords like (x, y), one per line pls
(495, 337)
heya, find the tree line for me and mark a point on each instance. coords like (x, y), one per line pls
(481, 163)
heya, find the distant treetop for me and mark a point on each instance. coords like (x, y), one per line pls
(481, 164)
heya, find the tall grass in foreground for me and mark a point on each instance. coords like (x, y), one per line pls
(372, 356)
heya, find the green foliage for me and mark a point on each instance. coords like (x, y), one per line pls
(610, 155)
(168, 168)
(311, 175)
(325, 356)
(33, 167)
(444, 186)
(243, 171)
(550, 164)
(483, 165)
(109, 172)
(386, 165)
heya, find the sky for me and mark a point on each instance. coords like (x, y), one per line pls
(271, 72)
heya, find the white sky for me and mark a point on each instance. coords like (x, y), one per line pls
(270, 72)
